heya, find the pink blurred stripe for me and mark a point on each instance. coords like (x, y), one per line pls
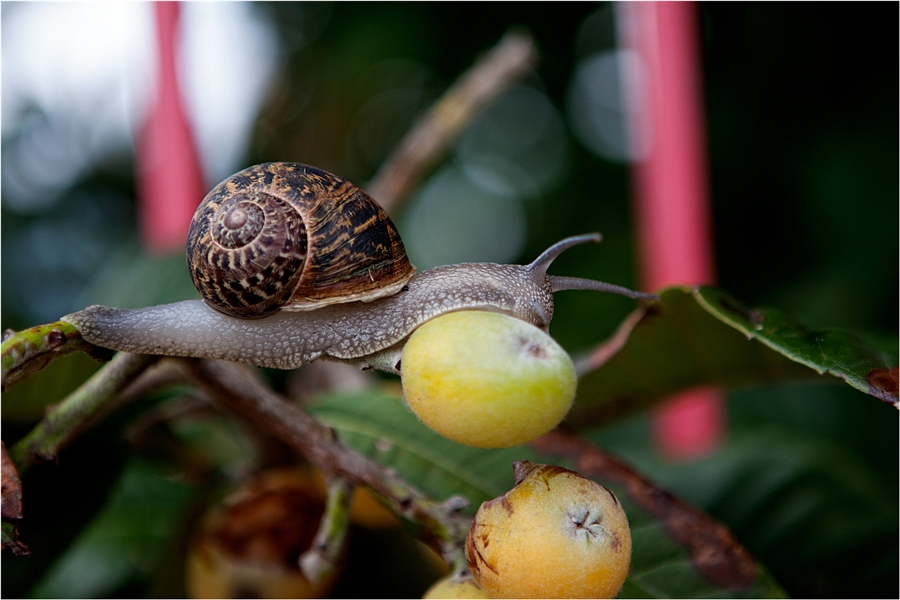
(671, 204)
(170, 182)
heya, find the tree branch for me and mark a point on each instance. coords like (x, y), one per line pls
(71, 415)
(26, 352)
(237, 391)
(512, 58)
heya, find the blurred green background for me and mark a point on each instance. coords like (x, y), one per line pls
(801, 104)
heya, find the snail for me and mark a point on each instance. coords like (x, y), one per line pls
(295, 264)
(286, 236)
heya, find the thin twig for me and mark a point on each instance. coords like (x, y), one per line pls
(602, 352)
(71, 415)
(512, 58)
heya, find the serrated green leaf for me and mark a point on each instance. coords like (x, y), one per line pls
(702, 336)
(832, 352)
(382, 428)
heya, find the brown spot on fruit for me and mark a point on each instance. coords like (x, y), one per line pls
(524, 468)
(484, 561)
(521, 469)
(615, 543)
(502, 501)
(534, 349)
(474, 557)
(613, 496)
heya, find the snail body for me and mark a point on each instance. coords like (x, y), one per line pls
(358, 332)
(353, 320)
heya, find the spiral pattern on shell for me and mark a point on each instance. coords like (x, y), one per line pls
(292, 237)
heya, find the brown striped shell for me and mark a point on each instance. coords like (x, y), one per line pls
(292, 237)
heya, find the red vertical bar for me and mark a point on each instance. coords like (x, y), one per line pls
(170, 183)
(671, 193)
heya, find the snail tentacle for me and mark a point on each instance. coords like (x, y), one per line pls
(561, 283)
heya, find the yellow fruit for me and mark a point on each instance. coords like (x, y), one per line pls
(556, 534)
(456, 587)
(485, 379)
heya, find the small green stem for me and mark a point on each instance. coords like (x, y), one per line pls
(69, 416)
(320, 561)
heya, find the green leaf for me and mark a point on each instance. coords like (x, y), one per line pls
(806, 479)
(382, 428)
(702, 336)
(832, 352)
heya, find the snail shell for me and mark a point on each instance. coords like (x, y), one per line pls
(292, 237)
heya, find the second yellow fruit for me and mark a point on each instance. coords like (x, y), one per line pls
(556, 534)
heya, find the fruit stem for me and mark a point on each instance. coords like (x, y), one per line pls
(324, 555)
